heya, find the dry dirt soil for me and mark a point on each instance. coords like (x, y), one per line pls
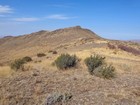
(41, 79)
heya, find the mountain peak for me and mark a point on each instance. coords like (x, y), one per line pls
(78, 27)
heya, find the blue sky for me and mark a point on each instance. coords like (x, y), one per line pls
(113, 19)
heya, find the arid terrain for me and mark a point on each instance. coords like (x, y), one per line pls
(40, 79)
(137, 41)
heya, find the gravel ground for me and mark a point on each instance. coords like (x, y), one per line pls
(33, 88)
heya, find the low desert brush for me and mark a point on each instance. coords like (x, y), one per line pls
(17, 64)
(105, 71)
(41, 55)
(93, 62)
(65, 61)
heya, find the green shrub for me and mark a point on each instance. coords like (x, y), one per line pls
(17, 64)
(27, 59)
(93, 62)
(41, 55)
(105, 71)
(65, 61)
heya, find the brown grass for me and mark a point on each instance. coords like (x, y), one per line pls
(42, 79)
(5, 71)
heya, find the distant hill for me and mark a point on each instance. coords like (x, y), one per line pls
(41, 41)
(53, 38)
(137, 41)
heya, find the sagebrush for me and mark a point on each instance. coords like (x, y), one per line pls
(65, 61)
(93, 62)
(105, 71)
(17, 64)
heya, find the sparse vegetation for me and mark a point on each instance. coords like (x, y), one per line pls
(27, 59)
(129, 49)
(105, 71)
(17, 64)
(52, 51)
(111, 46)
(38, 61)
(65, 61)
(97, 66)
(93, 62)
(58, 98)
(41, 55)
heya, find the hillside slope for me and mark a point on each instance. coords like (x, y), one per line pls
(41, 79)
(42, 41)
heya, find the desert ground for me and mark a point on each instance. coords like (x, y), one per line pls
(40, 79)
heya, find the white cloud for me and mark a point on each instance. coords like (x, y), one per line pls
(26, 19)
(5, 9)
(59, 17)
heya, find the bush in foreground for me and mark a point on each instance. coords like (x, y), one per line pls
(65, 61)
(105, 71)
(93, 62)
